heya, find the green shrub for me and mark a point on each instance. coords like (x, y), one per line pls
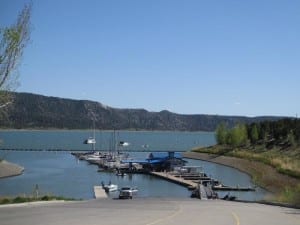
(45, 198)
(5, 201)
(290, 195)
(20, 199)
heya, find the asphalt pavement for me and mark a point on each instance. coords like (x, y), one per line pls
(148, 211)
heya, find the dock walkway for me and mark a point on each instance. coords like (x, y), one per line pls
(99, 192)
(175, 179)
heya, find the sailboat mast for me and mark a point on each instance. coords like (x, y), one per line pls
(94, 137)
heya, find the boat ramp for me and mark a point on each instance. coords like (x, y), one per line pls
(99, 192)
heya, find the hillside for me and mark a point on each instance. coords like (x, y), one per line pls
(269, 151)
(31, 111)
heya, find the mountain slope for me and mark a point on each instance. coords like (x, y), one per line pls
(36, 111)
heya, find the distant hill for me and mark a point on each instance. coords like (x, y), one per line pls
(31, 111)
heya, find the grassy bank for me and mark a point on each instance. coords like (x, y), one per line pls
(19, 199)
(275, 169)
(285, 161)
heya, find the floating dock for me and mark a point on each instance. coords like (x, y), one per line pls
(99, 192)
(175, 179)
(228, 188)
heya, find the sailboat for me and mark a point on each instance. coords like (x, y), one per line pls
(123, 143)
(91, 140)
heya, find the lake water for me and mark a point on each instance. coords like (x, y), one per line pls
(73, 140)
(60, 173)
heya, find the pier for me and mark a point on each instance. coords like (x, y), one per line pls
(191, 183)
(228, 188)
(175, 179)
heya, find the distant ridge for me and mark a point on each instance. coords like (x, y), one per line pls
(32, 111)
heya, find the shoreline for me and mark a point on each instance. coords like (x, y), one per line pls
(100, 130)
(8, 169)
(261, 174)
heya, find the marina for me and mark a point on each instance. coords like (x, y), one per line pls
(165, 165)
(60, 173)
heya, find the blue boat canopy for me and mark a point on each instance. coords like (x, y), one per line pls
(141, 161)
(155, 157)
(164, 155)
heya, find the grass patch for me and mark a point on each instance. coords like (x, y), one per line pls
(285, 189)
(286, 162)
(290, 195)
(20, 199)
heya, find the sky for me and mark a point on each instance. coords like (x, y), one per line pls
(220, 57)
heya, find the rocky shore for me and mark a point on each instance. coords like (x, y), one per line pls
(8, 169)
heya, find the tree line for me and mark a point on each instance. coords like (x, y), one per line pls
(285, 132)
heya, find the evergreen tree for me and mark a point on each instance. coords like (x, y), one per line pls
(254, 134)
(221, 134)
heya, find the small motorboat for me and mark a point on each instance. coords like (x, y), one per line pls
(229, 197)
(109, 187)
(124, 143)
(121, 174)
(90, 140)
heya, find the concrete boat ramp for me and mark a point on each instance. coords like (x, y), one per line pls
(99, 192)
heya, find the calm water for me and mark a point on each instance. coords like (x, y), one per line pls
(139, 141)
(60, 173)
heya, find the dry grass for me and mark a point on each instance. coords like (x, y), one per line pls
(275, 170)
(285, 162)
(22, 199)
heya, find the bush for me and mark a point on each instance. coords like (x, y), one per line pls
(45, 198)
(5, 201)
(290, 195)
(20, 199)
(236, 137)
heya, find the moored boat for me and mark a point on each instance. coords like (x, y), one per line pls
(109, 187)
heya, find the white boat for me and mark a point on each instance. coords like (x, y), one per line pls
(110, 187)
(90, 140)
(121, 174)
(124, 143)
(127, 192)
(94, 158)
